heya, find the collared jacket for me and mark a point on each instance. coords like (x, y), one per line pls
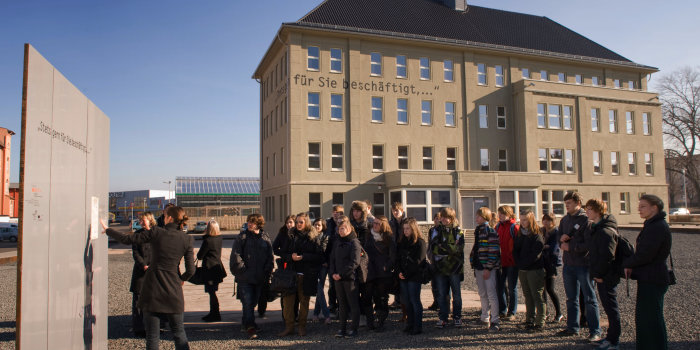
(575, 225)
(310, 246)
(486, 251)
(601, 238)
(345, 258)
(506, 237)
(653, 247)
(382, 256)
(251, 258)
(527, 250)
(162, 286)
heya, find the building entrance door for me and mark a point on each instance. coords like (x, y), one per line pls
(469, 208)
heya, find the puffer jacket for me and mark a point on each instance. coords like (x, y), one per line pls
(601, 238)
(653, 247)
(251, 258)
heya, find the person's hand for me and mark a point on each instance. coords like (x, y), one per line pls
(182, 283)
(401, 276)
(296, 257)
(598, 280)
(565, 246)
(565, 238)
(104, 226)
(628, 273)
(487, 274)
(145, 268)
(336, 277)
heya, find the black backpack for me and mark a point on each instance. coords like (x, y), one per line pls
(624, 250)
(363, 269)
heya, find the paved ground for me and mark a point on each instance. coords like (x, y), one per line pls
(682, 315)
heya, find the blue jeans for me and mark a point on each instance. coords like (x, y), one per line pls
(250, 294)
(410, 296)
(507, 274)
(578, 278)
(445, 283)
(152, 322)
(321, 305)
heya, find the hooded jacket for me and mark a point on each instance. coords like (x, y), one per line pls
(251, 258)
(575, 225)
(601, 239)
(653, 247)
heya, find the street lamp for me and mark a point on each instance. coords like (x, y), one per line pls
(168, 182)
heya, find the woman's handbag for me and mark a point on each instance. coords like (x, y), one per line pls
(671, 273)
(284, 281)
(198, 278)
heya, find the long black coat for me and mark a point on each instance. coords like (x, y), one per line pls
(653, 247)
(312, 251)
(210, 256)
(142, 258)
(162, 289)
(382, 256)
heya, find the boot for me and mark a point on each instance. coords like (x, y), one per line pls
(302, 330)
(213, 316)
(288, 329)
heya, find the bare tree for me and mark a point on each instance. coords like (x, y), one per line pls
(680, 103)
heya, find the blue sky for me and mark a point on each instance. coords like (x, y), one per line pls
(175, 76)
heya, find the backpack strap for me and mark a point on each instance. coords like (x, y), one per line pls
(512, 231)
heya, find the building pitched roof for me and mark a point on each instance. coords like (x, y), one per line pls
(478, 26)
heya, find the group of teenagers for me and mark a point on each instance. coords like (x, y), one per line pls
(367, 258)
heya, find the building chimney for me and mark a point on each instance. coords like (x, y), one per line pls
(459, 5)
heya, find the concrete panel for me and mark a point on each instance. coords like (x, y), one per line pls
(65, 154)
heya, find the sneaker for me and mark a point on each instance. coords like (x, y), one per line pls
(509, 317)
(252, 334)
(558, 318)
(340, 334)
(494, 328)
(478, 323)
(567, 333)
(440, 324)
(594, 338)
(502, 315)
(351, 334)
(457, 322)
(606, 345)
(525, 325)
(536, 329)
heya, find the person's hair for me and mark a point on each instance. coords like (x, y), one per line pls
(415, 231)
(397, 205)
(178, 215)
(384, 228)
(549, 216)
(532, 220)
(323, 224)
(362, 207)
(212, 228)
(575, 196)
(653, 200)
(308, 228)
(338, 207)
(507, 210)
(436, 216)
(284, 229)
(368, 202)
(168, 206)
(148, 216)
(597, 206)
(258, 219)
(449, 213)
(342, 220)
(485, 213)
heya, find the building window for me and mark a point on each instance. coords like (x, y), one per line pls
(502, 160)
(483, 116)
(424, 68)
(481, 74)
(421, 204)
(612, 119)
(337, 156)
(646, 126)
(526, 73)
(426, 112)
(336, 61)
(267, 167)
(484, 152)
(556, 160)
(403, 157)
(630, 84)
(616, 83)
(377, 157)
(624, 202)
(451, 158)
(499, 75)
(554, 117)
(562, 77)
(338, 198)
(569, 157)
(553, 202)
(401, 66)
(336, 107)
(377, 115)
(314, 110)
(629, 122)
(427, 158)
(449, 114)
(579, 79)
(543, 75)
(314, 156)
(448, 70)
(541, 117)
(615, 163)
(594, 81)
(595, 119)
(632, 161)
(649, 164)
(567, 117)
(315, 204)
(375, 64)
(544, 163)
(519, 200)
(378, 207)
(312, 60)
(501, 117)
(605, 197)
(597, 162)
(274, 164)
(402, 111)
(282, 160)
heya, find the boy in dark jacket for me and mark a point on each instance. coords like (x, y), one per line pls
(344, 262)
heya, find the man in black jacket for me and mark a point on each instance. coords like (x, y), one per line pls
(576, 272)
(251, 262)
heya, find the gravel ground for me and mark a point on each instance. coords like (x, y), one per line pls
(682, 312)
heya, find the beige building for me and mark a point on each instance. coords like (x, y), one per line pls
(432, 105)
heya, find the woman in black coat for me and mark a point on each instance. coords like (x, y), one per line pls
(344, 262)
(381, 250)
(305, 256)
(648, 267)
(142, 257)
(411, 252)
(210, 256)
(163, 296)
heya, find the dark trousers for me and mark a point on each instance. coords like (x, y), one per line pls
(152, 322)
(136, 315)
(410, 297)
(507, 295)
(649, 316)
(213, 303)
(608, 297)
(377, 295)
(348, 301)
(549, 290)
(262, 299)
(250, 294)
(332, 298)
